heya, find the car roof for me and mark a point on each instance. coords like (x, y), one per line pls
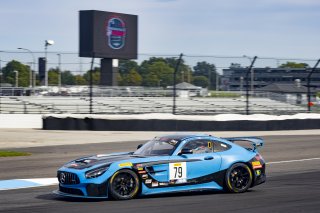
(180, 137)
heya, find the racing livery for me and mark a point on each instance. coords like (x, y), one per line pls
(172, 163)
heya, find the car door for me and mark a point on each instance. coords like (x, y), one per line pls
(195, 167)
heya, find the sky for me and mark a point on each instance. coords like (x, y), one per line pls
(266, 28)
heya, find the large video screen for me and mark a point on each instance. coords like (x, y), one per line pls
(108, 35)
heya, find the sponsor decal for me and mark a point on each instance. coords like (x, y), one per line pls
(116, 33)
(256, 165)
(223, 145)
(155, 184)
(125, 164)
(142, 172)
(148, 181)
(163, 184)
(209, 144)
(258, 172)
(144, 176)
(181, 181)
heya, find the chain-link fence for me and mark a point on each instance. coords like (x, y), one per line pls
(205, 85)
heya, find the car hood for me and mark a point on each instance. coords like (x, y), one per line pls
(102, 159)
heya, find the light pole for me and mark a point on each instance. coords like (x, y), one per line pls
(59, 64)
(252, 74)
(241, 84)
(17, 78)
(217, 80)
(34, 68)
(47, 43)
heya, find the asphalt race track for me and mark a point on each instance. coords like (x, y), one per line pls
(293, 183)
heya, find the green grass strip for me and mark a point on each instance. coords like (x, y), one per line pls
(4, 153)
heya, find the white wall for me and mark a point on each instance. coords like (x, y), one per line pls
(30, 121)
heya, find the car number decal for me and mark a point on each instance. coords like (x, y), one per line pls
(178, 171)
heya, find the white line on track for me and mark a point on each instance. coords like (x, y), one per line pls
(26, 183)
(39, 182)
(291, 161)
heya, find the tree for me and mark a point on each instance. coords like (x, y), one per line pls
(151, 80)
(95, 76)
(160, 71)
(80, 80)
(208, 70)
(125, 66)
(291, 64)
(53, 77)
(184, 73)
(67, 78)
(160, 74)
(133, 78)
(200, 81)
(144, 66)
(9, 76)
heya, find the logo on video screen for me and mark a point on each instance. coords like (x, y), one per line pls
(116, 33)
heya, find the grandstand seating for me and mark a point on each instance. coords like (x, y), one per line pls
(134, 105)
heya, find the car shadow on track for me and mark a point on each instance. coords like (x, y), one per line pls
(55, 197)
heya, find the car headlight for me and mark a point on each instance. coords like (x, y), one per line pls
(96, 172)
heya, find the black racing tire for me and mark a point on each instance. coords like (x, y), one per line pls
(238, 178)
(124, 185)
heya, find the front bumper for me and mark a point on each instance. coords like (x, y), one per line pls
(89, 191)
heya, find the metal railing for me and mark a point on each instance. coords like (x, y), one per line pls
(78, 103)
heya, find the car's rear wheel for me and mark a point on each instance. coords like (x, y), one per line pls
(124, 185)
(238, 178)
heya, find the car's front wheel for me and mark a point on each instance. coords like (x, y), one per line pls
(238, 178)
(124, 185)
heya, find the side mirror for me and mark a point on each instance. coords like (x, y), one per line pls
(186, 152)
(139, 146)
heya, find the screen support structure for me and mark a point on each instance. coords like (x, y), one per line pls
(109, 72)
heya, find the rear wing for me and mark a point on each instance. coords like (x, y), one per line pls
(255, 142)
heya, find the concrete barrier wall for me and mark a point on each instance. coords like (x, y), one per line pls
(70, 123)
(29, 121)
(160, 122)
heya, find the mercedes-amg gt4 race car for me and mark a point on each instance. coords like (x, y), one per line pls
(172, 163)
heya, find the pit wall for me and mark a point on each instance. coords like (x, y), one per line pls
(106, 123)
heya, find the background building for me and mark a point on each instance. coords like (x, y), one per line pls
(233, 78)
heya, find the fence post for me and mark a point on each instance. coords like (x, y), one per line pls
(174, 84)
(247, 84)
(308, 85)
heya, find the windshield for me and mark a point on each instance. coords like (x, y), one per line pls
(158, 146)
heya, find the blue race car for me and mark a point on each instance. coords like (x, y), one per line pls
(172, 163)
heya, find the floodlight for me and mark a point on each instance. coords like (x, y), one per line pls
(49, 42)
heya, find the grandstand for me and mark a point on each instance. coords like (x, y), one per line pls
(139, 105)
